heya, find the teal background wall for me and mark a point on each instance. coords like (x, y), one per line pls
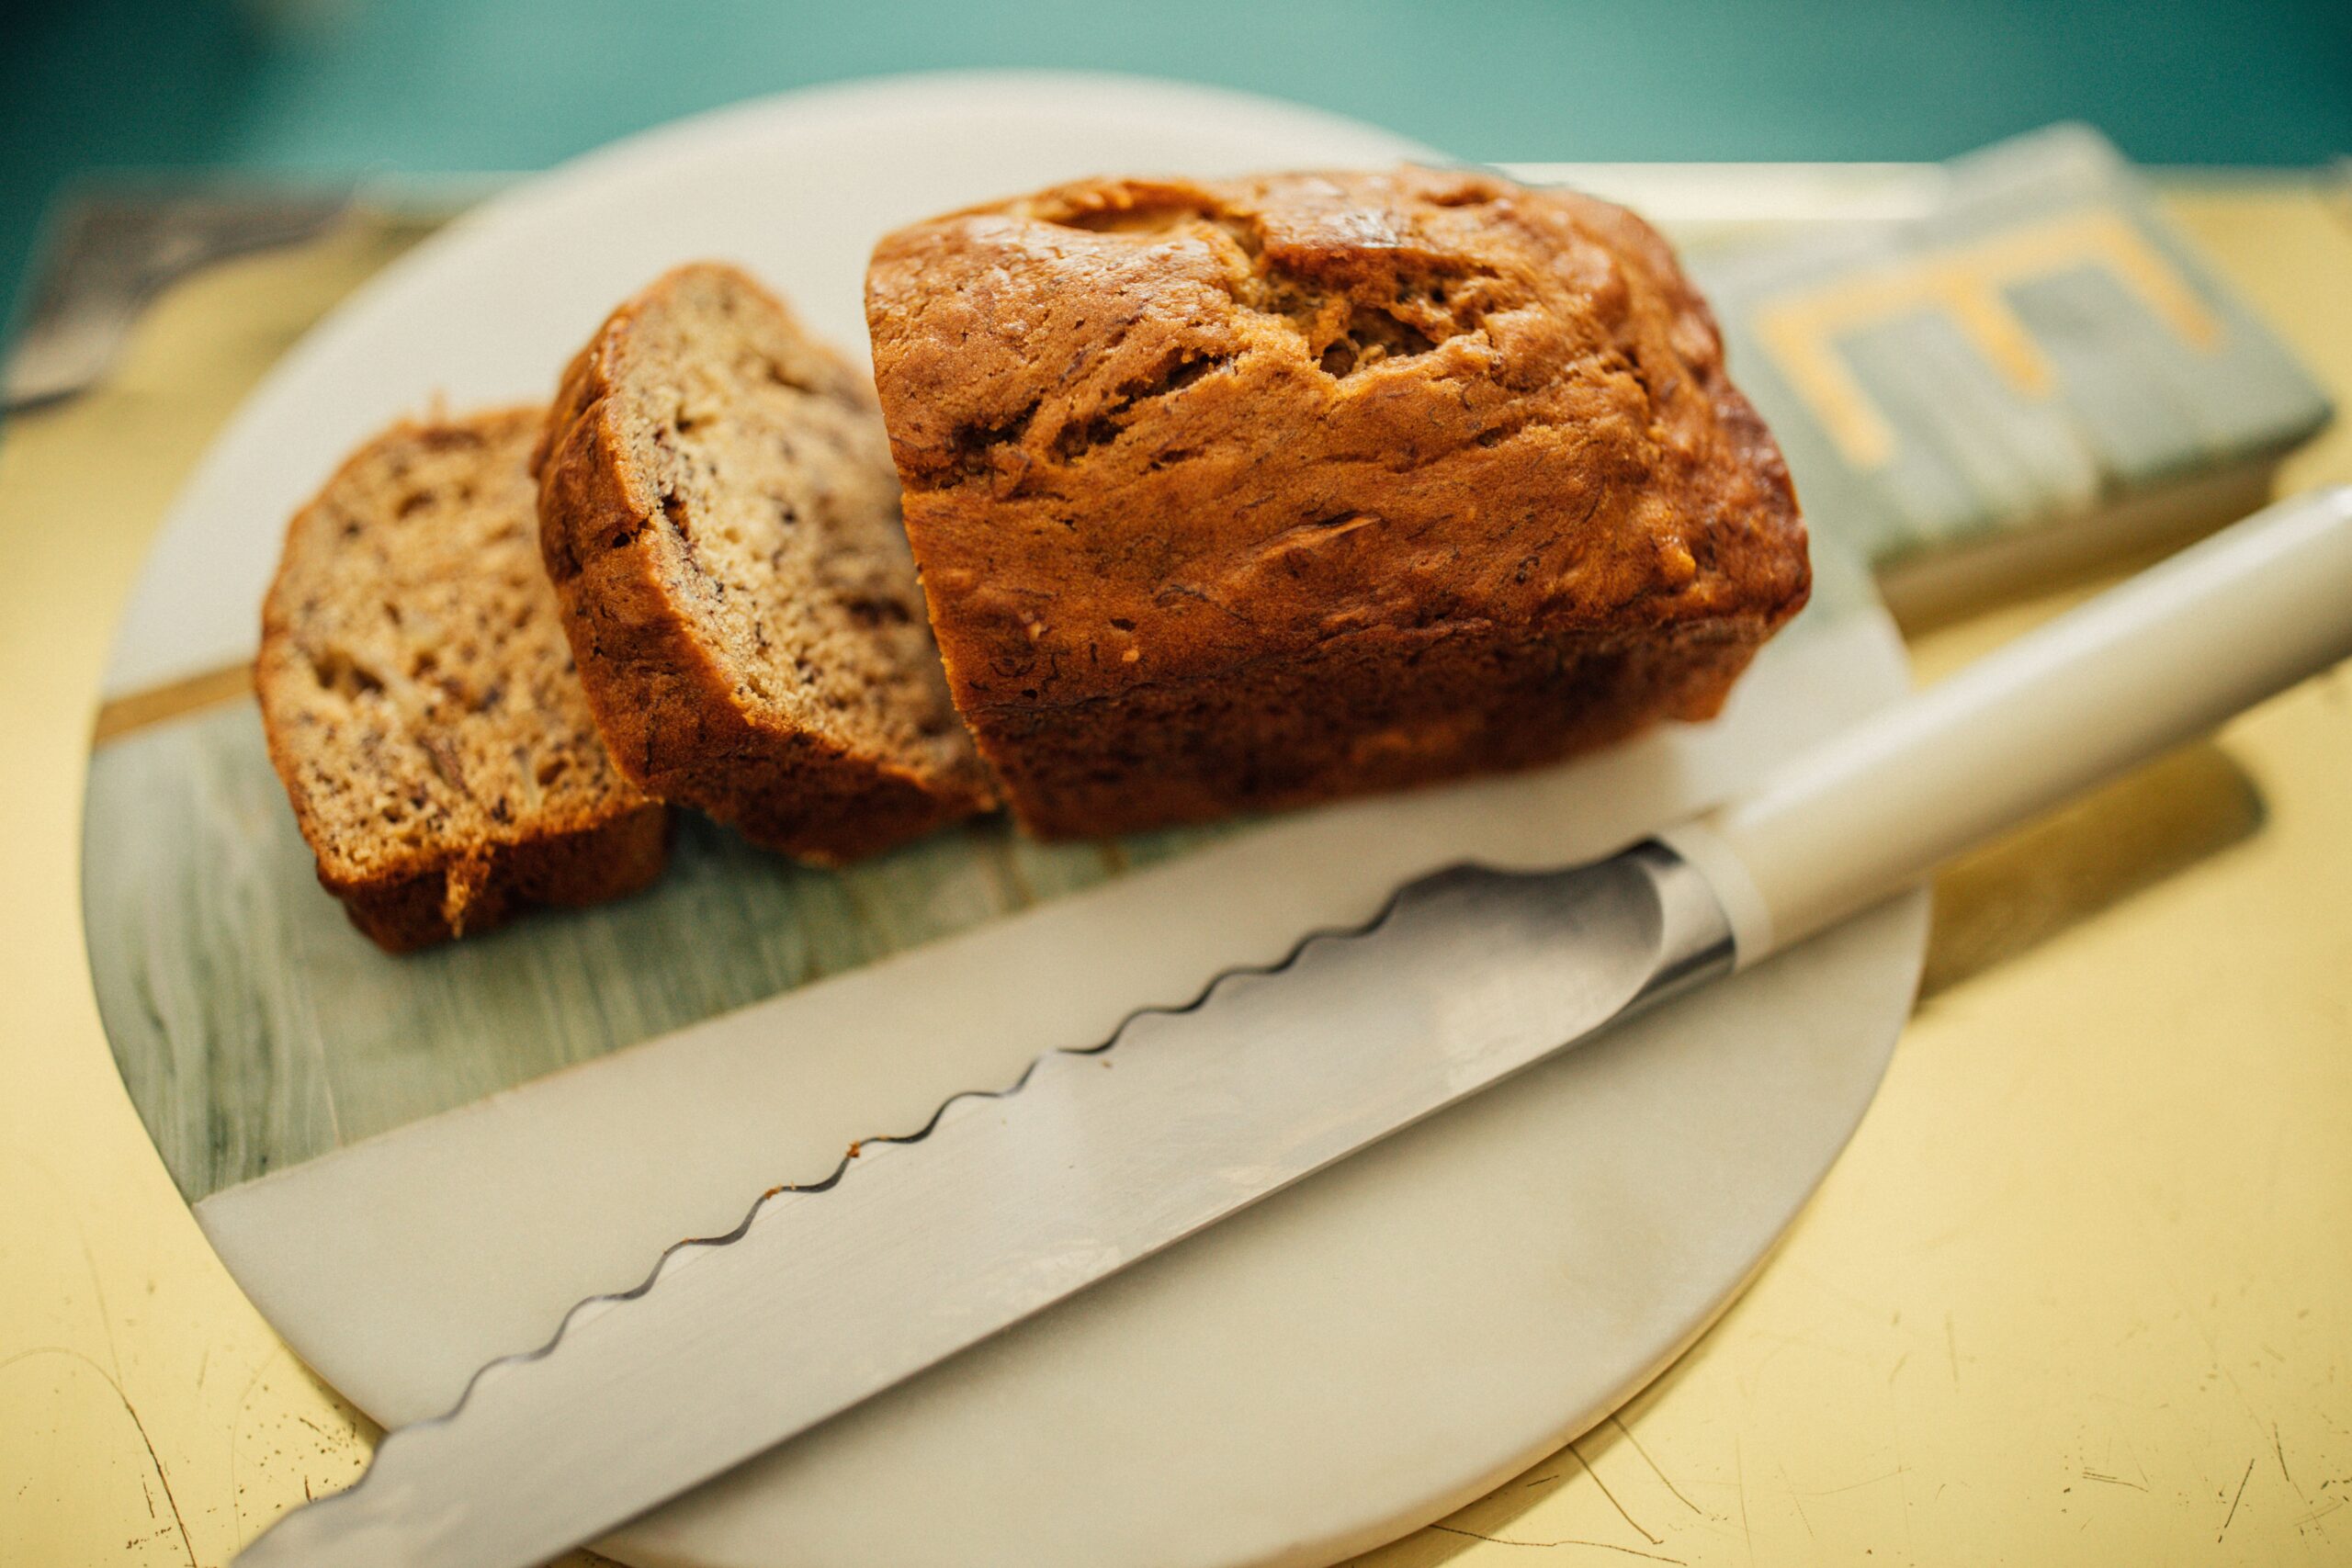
(348, 85)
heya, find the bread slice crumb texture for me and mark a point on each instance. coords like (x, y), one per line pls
(720, 517)
(420, 698)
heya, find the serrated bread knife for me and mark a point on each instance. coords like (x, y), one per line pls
(925, 1244)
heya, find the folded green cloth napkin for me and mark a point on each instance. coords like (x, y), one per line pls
(2038, 369)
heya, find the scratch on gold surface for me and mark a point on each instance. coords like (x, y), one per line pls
(1566, 1541)
(1640, 1530)
(2319, 1512)
(236, 1510)
(1797, 1500)
(161, 1478)
(1739, 1471)
(1664, 1480)
(2235, 1501)
(2278, 1447)
(1848, 1487)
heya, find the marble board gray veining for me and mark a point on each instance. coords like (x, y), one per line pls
(256, 1029)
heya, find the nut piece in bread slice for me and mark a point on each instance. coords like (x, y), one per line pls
(719, 517)
(420, 701)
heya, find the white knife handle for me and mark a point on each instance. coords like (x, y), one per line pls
(2158, 660)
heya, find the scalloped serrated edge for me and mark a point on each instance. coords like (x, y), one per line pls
(598, 1304)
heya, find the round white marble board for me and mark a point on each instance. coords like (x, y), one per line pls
(1347, 1362)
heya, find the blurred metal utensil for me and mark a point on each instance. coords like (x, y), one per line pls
(109, 252)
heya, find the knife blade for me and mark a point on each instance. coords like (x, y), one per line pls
(921, 1244)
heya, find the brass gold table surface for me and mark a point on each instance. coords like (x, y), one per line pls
(2080, 1290)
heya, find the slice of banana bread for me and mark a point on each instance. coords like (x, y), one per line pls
(420, 699)
(720, 519)
(1245, 494)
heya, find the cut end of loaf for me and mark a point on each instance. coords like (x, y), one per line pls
(421, 702)
(719, 517)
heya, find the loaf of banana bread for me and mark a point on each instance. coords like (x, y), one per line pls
(1235, 495)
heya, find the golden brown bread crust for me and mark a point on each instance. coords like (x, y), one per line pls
(673, 717)
(592, 863)
(379, 752)
(1245, 494)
